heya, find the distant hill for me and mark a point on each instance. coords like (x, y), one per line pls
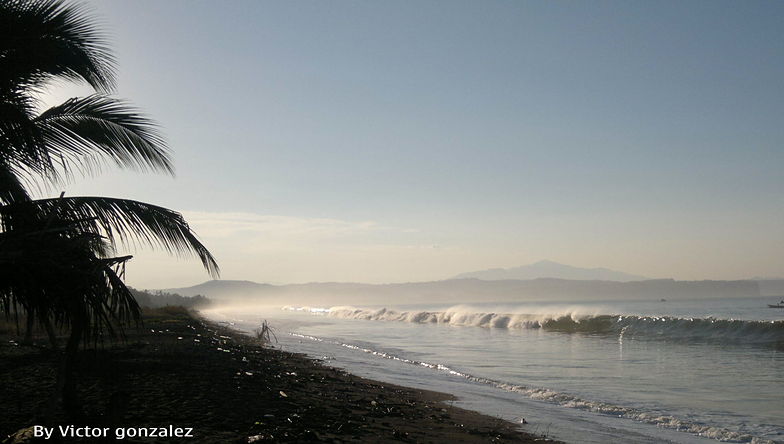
(771, 286)
(322, 294)
(223, 289)
(550, 269)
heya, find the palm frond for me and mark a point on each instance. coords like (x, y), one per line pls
(82, 130)
(41, 40)
(105, 300)
(128, 222)
(11, 187)
(20, 139)
(121, 302)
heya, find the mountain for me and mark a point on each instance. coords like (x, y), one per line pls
(223, 289)
(325, 294)
(550, 269)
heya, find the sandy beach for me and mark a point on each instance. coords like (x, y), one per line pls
(177, 371)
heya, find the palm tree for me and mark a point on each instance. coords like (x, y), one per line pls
(56, 255)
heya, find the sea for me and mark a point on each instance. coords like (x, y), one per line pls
(680, 371)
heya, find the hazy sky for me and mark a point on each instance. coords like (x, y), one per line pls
(413, 140)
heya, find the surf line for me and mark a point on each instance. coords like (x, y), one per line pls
(660, 419)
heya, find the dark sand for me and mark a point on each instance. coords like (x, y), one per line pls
(178, 370)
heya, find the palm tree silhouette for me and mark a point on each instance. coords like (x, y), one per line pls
(57, 262)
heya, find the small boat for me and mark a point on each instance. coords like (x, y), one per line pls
(779, 305)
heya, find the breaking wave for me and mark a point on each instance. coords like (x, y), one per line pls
(665, 327)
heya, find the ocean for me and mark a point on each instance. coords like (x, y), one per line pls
(678, 371)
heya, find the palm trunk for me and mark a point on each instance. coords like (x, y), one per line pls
(67, 376)
(51, 333)
(28, 338)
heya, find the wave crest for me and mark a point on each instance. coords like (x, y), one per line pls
(575, 322)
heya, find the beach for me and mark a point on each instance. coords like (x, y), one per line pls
(178, 371)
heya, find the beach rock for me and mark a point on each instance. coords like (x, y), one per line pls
(22, 436)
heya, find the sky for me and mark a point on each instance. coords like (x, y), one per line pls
(405, 141)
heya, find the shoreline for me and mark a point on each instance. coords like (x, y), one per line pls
(182, 371)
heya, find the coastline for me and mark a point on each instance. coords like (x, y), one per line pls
(182, 371)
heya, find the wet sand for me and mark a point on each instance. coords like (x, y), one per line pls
(181, 371)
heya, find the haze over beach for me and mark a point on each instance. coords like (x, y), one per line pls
(543, 280)
(384, 221)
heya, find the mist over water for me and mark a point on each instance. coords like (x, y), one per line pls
(678, 371)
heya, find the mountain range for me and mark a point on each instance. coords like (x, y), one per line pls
(547, 281)
(550, 269)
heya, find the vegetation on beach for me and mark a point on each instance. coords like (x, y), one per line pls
(265, 334)
(162, 299)
(59, 266)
